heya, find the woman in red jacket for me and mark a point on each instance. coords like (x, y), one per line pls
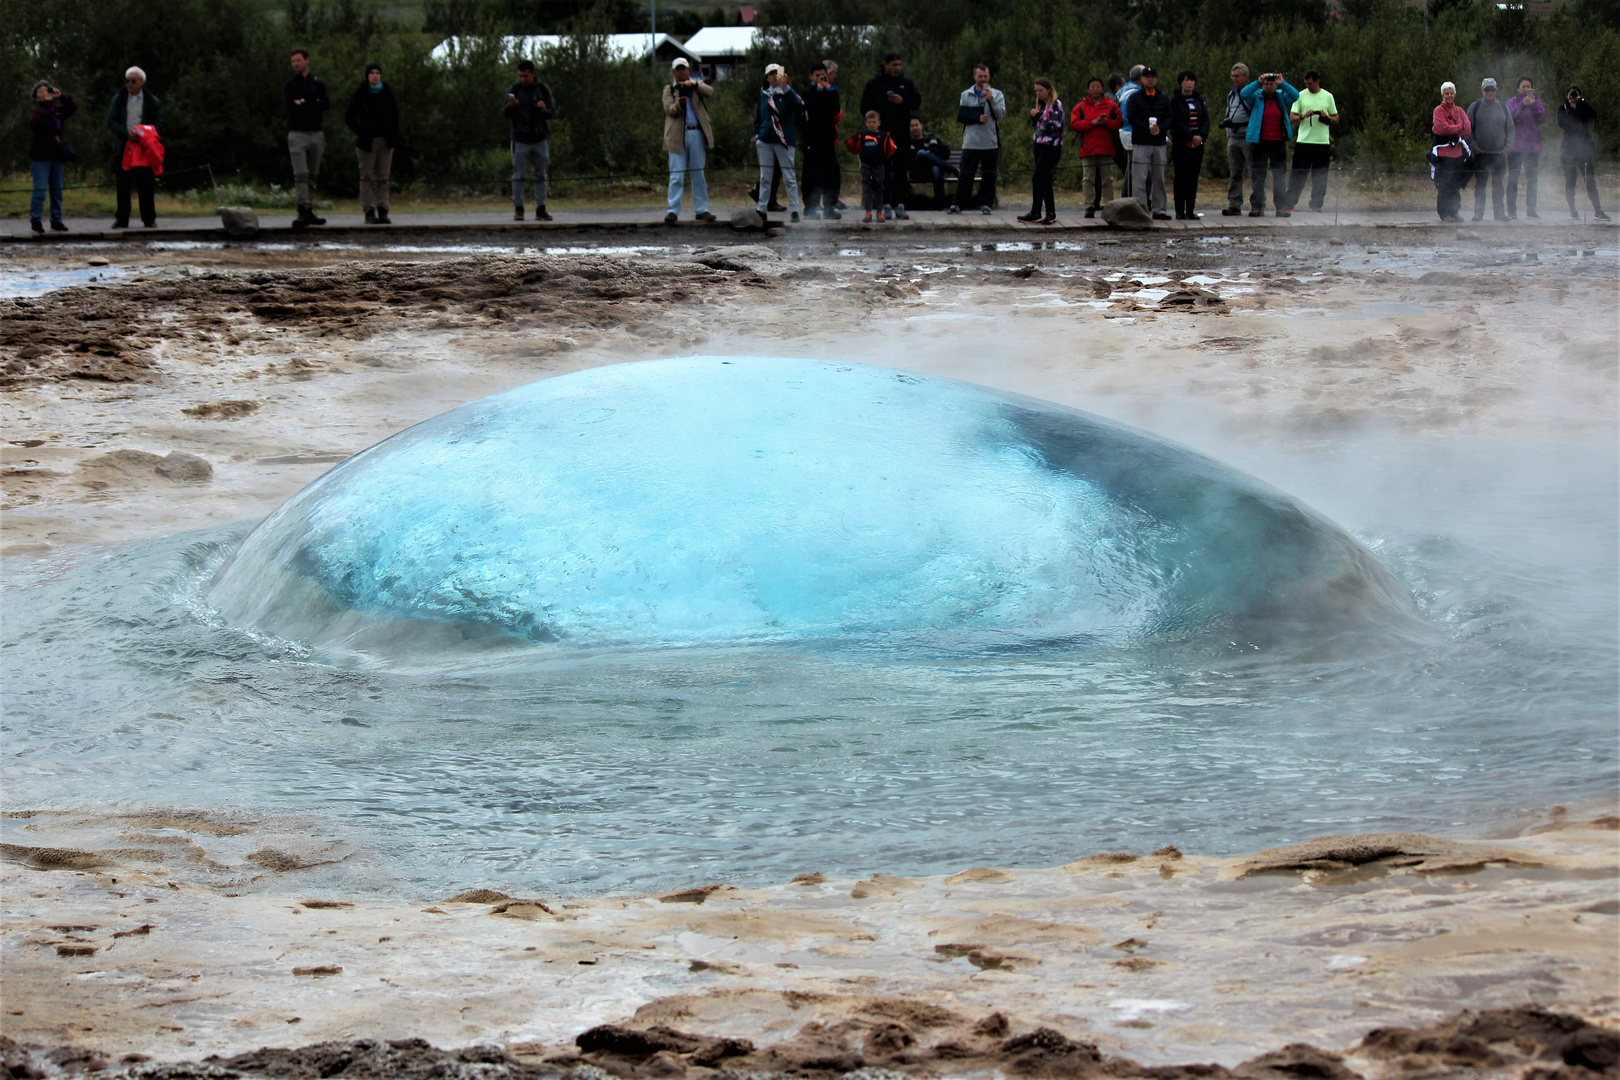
(1451, 127)
(1096, 117)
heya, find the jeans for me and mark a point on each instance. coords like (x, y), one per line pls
(971, 162)
(688, 167)
(47, 175)
(936, 167)
(1189, 161)
(1572, 173)
(1237, 160)
(873, 179)
(1494, 168)
(1450, 174)
(532, 157)
(1097, 178)
(375, 162)
(144, 182)
(782, 158)
(1046, 163)
(1147, 175)
(1273, 154)
(1530, 164)
(306, 148)
(1310, 163)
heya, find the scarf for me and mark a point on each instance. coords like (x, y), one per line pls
(773, 99)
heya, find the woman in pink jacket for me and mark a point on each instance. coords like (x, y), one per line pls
(1451, 127)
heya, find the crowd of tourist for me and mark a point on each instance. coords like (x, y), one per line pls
(1129, 123)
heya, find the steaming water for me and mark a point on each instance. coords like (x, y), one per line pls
(634, 769)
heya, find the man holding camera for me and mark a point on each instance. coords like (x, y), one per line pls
(1149, 114)
(530, 109)
(1315, 110)
(688, 138)
(1578, 151)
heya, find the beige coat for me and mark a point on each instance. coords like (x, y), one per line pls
(675, 116)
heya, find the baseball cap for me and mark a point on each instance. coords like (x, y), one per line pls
(680, 62)
(1151, 71)
(778, 68)
(1488, 84)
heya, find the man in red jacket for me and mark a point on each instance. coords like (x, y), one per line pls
(1096, 117)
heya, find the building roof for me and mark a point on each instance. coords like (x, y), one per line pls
(619, 46)
(722, 42)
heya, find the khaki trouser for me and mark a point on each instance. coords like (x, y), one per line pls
(1097, 185)
(306, 148)
(374, 163)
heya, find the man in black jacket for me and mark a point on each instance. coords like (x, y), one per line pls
(306, 101)
(820, 136)
(894, 97)
(530, 108)
(130, 109)
(373, 116)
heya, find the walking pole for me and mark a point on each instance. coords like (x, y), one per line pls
(1335, 204)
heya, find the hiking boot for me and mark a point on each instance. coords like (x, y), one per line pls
(1257, 213)
(371, 216)
(540, 214)
(1285, 213)
(517, 213)
(671, 217)
(37, 225)
(382, 216)
(57, 226)
(794, 217)
(1091, 211)
(1232, 211)
(704, 215)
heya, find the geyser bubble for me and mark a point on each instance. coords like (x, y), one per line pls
(745, 499)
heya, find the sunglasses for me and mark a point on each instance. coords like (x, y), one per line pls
(131, 82)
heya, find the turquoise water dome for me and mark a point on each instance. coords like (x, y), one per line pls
(710, 500)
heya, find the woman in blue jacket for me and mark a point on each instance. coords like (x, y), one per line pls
(775, 134)
(1269, 98)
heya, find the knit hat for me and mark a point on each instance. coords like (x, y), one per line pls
(1488, 84)
(373, 66)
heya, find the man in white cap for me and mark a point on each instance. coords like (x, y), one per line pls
(688, 137)
(1492, 123)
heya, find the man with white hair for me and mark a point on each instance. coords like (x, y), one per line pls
(1236, 126)
(133, 107)
(688, 138)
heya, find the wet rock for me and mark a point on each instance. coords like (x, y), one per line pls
(47, 858)
(239, 220)
(694, 895)
(1499, 1039)
(747, 219)
(478, 896)
(221, 410)
(1127, 214)
(185, 468)
(1412, 851)
(1297, 1061)
(881, 886)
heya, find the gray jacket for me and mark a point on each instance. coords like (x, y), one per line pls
(1493, 126)
(985, 136)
